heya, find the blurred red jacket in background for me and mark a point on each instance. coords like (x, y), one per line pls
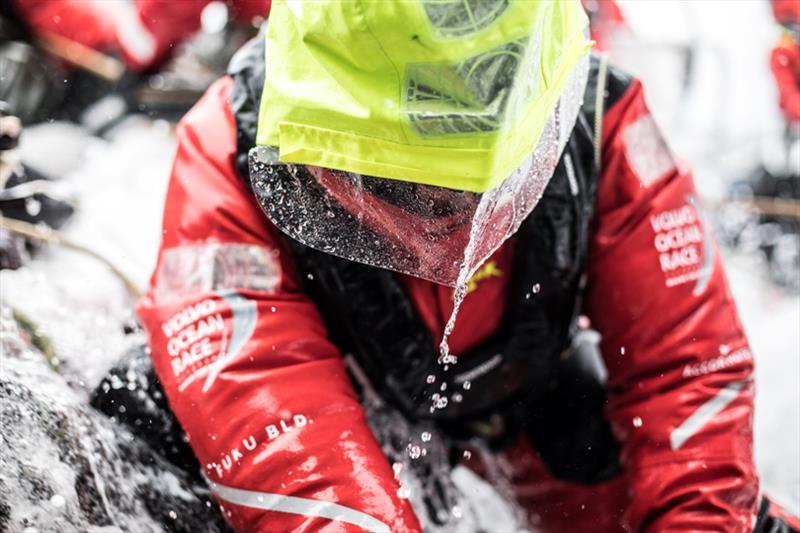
(605, 17)
(143, 33)
(785, 63)
(785, 59)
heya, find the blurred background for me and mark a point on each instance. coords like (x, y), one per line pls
(91, 92)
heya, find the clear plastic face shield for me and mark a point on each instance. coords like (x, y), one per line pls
(425, 231)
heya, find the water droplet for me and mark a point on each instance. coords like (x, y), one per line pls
(58, 500)
(426, 437)
(441, 403)
(457, 397)
(724, 349)
(443, 387)
(622, 350)
(116, 383)
(467, 454)
(310, 276)
(536, 288)
(273, 309)
(414, 451)
(403, 493)
(32, 206)
(467, 385)
(397, 468)
(637, 422)
(431, 378)
(457, 511)
(173, 515)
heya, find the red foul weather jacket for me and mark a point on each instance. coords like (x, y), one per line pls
(264, 399)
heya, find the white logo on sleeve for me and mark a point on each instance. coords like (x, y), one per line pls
(685, 249)
(244, 315)
(200, 343)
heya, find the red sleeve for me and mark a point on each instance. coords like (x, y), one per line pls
(679, 364)
(242, 353)
(785, 63)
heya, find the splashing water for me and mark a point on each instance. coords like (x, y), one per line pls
(521, 191)
(445, 357)
(468, 266)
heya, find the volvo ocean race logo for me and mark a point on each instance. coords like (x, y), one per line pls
(191, 335)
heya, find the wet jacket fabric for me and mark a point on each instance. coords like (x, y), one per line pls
(263, 396)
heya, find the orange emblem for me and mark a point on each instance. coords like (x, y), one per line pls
(488, 270)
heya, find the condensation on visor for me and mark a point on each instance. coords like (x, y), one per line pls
(424, 231)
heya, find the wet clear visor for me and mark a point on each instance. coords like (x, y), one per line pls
(425, 231)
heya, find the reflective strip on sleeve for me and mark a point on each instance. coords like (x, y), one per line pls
(707, 268)
(303, 506)
(704, 414)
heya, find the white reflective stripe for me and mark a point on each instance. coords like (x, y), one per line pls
(135, 39)
(303, 506)
(704, 414)
(479, 370)
(707, 268)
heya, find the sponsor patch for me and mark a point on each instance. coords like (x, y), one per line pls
(647, 152)
(685, 250)
(200, 343)
(210, 267)
(722, 361)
